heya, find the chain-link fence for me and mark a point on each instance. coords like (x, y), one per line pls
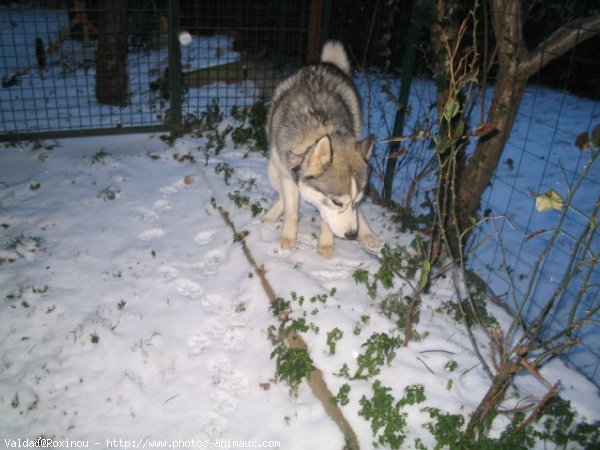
(547, 259)
(91, 67)
(516, 250)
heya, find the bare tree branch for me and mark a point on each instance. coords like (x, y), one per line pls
(561, 41)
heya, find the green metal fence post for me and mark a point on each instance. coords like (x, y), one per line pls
(174, 67)
(408, 66)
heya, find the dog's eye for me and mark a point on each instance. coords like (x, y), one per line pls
(337, 203)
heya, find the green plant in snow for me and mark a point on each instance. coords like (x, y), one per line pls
(400, 309)
(187, 157)
(153, 156)
(380, 349)
(388, 420)
(33, 244)
(209, 120)
(242, 201)
(473, 310)
(332, 339)
(344, 372)
(292, 364)
(22, 293)
(299, 325)
(250, 131)
(558, 426)
(226, 170)
(99, 157)
(109, 193)
(321, 298)
(393, 261)
(280, 306)
(553, 427)
(22, 246)
(397, 262)
(342, 396)
(364, 320)
(207, 127)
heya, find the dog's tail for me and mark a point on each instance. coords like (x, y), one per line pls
(333, 52)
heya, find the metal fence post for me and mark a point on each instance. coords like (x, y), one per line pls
(408, 67)
(174, 120)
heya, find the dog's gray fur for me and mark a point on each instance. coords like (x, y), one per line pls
(314, 128)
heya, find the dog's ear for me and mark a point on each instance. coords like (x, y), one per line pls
(365, 147)
(319, 158)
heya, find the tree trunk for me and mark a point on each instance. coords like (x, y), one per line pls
(478, 173)
(112, 82)
(482, 417)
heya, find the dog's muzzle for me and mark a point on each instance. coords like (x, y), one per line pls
(351, 235)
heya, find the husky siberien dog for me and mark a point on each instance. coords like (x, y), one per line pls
(313, 128)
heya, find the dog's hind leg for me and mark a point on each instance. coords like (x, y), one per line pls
(290, 196)
(277, 209)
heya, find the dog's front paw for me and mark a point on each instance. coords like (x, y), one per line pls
(370, 241)
(326, 251)
(287, 243)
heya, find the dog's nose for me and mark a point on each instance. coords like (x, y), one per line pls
(351, 235)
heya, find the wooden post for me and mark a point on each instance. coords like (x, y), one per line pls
(315, 23)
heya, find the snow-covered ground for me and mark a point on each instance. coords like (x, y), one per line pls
(129, 311)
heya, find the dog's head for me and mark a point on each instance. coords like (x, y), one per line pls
(333, 176)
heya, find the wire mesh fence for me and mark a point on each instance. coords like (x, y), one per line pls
(546, 260)
(164, 61)
(49, 70)
(246, 49)
(561, 101)
(542, 155)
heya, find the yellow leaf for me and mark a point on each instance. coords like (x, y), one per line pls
(549, 200)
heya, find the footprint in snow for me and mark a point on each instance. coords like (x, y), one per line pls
(223, 403)
(197, 342)
(216, 255)
(214, 425)
(226, 308)
(167, 272)
(216, 327)
(213, 303)
(227, 377)
(337, 270)
(190, 289)
(152, 233)
(205, 237)
(168, 190)
(146, 214)
(162, 205)
(234, 340)
(214, 333)
(328, 275)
